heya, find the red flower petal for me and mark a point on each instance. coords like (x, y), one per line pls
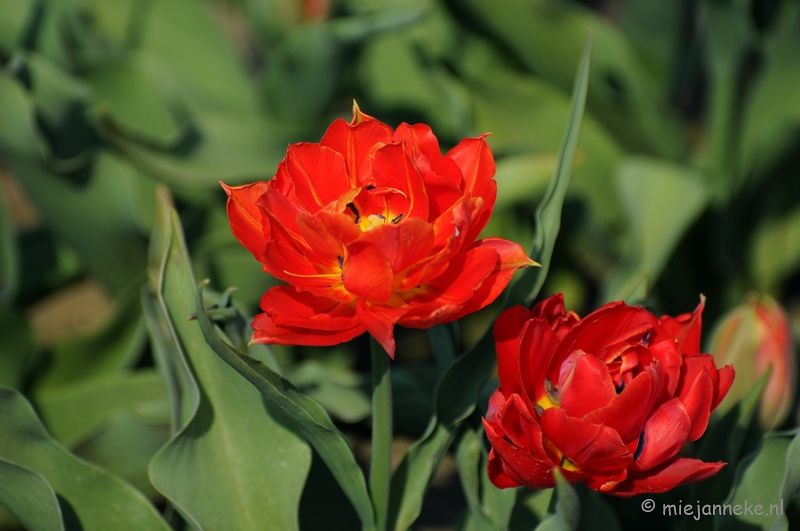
(367, 272)
(697, 401)
(519, 466)
(510, 257)
(673, 473)
(356, 141)
(586, 387)
(722, 384)
(686, 328)
(404, 243)
(627, 412)
(590, 446)
(538, 343)
(474, 158)
(445, 295)
(391, 167)
(297, 318)
(665, 433)
(507, 332)
(318, 174)
(245, 216)
(379, 322)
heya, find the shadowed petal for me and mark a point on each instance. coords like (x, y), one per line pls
(673, 473)
(590, 446)
(507, 332)
(665, 433)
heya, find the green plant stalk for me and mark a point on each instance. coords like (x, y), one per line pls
(380, 471)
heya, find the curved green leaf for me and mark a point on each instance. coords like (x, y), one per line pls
(766, 482)
(233, 463)
(29, 497)
(98, 500)
(309, 417)
(567, 511)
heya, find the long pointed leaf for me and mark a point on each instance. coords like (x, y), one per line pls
(309, 417)
(227, 436)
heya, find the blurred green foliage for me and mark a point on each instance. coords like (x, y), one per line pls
(684, 182)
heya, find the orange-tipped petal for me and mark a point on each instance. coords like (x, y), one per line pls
(245, 217)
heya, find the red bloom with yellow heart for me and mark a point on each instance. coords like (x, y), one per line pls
(609, 400)
(372, 228)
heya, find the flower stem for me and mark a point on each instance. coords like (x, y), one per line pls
(380, 467)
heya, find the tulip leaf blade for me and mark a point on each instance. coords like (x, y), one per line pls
(216, 470)
(489, 507)
(767, 478)
(30, 497)
(548, 213)
(97, 499)
(567, 512)
(309, 417)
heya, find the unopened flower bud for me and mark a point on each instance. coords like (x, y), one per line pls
(753, 337)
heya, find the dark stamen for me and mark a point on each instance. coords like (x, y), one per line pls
(380, 216)
(340, 260)
(639, 447)
(646, 338)
(620, 388)
(370, 187)
(552, 392)
(354, 210)
(397, 219)
(538, 409)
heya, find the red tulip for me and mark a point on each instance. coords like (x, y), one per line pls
(756, 336)
(370, 228)
(608, 400)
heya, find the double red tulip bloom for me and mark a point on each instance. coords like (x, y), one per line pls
(370, 228)
(608, 400)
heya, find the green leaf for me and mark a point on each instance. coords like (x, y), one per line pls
(548, 213)
(128, 441)
(520, 177)
(200, 61)
(29, 497)
(404, 69)
(547, 37)
(74, 412)
(506, 102)
(773, 255)
(95, 498)
(307, 415)
(489, 507)
(458, 389)
(773, 107)
(768, 479)
(105, 214)
(724, 441)
(15, 19)
(338, 389)
(662, 200)
(227, 435)
(17, 348)
(18, 131)
(567, 510)
(212, 146)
